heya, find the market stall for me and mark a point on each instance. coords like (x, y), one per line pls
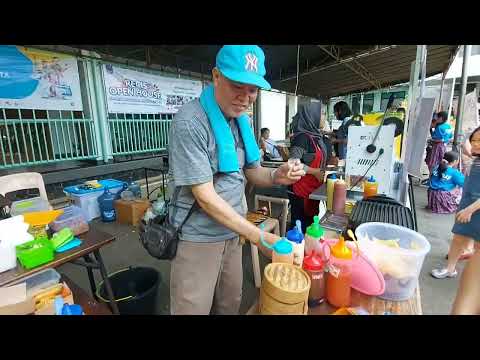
(35, 241)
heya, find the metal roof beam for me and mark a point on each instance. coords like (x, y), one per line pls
(342, 61)
(354, 65)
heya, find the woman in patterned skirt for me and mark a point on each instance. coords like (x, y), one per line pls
(446, 182)
(440, 138)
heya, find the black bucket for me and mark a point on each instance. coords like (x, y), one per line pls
(134, 289)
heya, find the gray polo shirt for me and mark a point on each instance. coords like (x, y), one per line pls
(192, 156)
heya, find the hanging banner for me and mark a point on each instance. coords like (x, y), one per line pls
(130, 91)
(37, 79)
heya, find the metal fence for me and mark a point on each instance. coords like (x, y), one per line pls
(33, 137)
(138, 133)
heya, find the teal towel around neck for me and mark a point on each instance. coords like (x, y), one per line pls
(227, 155)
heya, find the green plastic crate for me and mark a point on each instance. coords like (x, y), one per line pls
(35, 253)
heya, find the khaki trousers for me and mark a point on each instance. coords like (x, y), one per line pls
(206, 278)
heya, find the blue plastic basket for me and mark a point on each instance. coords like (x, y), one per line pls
(110, 184)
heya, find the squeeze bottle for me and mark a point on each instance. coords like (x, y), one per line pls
(282, 252)
(314, 266)
(295, 237)
(313, 235)
(370, 187)
(339, 197)
(339, 276)
(331, 179)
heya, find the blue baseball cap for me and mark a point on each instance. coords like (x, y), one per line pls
(244, 64)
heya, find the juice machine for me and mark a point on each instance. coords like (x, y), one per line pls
(370, 152)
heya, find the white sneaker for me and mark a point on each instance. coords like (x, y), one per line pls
(443, 273)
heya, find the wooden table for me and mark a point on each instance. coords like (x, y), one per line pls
(92, 241)
(372, 304)
(89, 305)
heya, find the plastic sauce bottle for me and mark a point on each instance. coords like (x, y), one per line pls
(331, 179)
(339, 197)
(282, 252)
(315, 267)
(295, 237)
(370, 187)
(339, 276)
(107, 210)
(313, 236)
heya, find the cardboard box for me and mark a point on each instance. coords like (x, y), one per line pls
(14, 301)
(131, 212)
(27, 306)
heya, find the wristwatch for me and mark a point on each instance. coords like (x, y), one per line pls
(305, 167)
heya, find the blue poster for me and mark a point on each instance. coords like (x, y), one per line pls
(37, 79)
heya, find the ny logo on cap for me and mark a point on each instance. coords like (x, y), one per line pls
(252, 62)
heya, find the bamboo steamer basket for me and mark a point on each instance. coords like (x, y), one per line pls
(284, 290)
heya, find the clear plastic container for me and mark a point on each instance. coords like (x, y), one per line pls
(41, 280)
(398, 253)
(29, 205)
(13, 225)
(72, 218)
(88, 200)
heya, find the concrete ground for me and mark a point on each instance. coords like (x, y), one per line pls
(437, 295)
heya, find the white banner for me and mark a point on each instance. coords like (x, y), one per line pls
(130, 91)
(37, 79)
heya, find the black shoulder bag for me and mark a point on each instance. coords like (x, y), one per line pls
(160, 237)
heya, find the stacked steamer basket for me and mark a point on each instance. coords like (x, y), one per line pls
(284, 290)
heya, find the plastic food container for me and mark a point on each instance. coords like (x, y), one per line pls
(29, 205)
(41, 280)
(86, 200)
(35, 253)
(14, 225)
(398, 253)
(72, 218)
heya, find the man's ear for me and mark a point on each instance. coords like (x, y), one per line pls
(215, 76)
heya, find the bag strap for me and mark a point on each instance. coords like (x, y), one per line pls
(195, 206)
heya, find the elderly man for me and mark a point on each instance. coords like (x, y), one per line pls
(212, 150)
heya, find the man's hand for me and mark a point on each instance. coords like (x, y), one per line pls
(269, 239)
(285, 175)
(464, 216)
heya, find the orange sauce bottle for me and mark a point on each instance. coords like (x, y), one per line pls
(339, 278)
(370, 188)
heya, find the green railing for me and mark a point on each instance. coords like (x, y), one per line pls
(138, 133)
(33, 137)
